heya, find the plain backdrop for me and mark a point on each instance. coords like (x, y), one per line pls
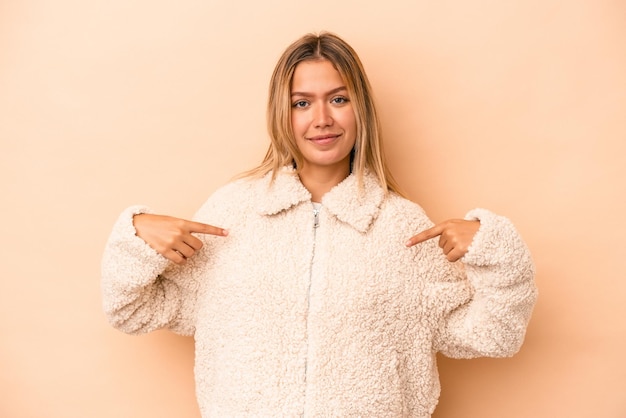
(517, 106)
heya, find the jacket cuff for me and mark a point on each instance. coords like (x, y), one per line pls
(133, 252)
(497, 242)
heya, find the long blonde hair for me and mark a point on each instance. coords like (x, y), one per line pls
(368, 150)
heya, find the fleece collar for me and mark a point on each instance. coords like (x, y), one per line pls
(346, 201)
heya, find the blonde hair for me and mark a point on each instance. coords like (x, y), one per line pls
(368, 150)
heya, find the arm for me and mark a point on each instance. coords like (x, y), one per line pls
(502, 292)
(149, 283)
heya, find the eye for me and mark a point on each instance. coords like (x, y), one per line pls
(300, 104)
(339, 100)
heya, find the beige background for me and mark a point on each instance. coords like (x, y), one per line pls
(518, 106)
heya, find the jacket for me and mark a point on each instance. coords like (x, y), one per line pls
(298, 313)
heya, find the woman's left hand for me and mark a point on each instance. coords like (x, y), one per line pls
(455, 237)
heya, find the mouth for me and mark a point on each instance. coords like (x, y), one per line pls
(324, 139)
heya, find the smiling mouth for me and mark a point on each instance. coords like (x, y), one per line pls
(324, 139)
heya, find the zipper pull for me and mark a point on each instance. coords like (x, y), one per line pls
(316, 218)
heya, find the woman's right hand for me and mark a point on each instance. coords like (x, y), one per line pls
(172, 237)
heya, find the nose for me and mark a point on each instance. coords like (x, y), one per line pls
(322, 116)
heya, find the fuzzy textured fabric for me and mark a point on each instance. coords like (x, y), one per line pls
(339, 320)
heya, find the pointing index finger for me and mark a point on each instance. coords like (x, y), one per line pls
(206, 229)
(425, 235)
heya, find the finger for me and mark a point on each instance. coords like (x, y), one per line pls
(193, 242)
(185, 250)
(206, 229)
(174, 256)
(425, 235)
(454, 255)
(444, 244)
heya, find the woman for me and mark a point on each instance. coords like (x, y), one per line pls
(296, 280)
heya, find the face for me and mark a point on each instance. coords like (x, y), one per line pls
(322, 116)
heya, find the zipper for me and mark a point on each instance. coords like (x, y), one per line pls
(316, 224)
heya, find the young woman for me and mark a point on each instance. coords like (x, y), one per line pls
(297, 280)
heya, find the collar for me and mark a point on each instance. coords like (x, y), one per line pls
(355, 206)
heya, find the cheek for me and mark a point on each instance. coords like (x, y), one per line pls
(347, 118)
(298, 124)
(349, 122)
(353, 122)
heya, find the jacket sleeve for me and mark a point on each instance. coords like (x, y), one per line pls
(501, 273)
(142, 291)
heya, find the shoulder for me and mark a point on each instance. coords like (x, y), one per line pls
(404, 213)
(235, 190)
(235, 196)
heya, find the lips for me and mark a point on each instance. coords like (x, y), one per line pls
(324, 139)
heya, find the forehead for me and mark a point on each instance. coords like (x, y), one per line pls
(315, 75)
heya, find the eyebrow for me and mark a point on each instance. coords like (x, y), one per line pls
(333, 91)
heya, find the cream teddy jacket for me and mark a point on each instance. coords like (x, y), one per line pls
(339, 319)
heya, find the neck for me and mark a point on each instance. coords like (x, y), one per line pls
(319, 180)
